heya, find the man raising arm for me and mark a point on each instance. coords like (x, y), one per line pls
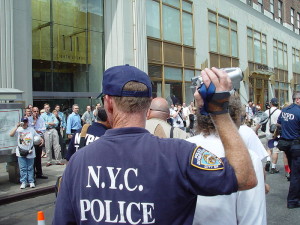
(233, 144)
(129, 176)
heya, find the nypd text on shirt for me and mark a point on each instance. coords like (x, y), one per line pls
(287, 116)
(89, 139)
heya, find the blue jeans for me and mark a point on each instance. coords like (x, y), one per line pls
(26, 170)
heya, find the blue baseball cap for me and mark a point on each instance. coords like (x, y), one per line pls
(24, 119)
(115, 78)
(274, 101)
(273, 143)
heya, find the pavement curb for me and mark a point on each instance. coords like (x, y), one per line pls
(27, 194)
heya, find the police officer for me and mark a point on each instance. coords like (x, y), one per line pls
(289, 142)
(94, 132)
(129, 176)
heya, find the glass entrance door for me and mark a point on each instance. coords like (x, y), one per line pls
(258, 90)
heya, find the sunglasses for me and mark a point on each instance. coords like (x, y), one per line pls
(102, 99)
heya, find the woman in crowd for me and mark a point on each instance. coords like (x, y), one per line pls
(25, 152)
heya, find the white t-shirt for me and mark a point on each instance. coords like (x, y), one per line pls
(25, 140)
(186, 112)
(273, 120)
(252, 142)
(172, 111)
(243, 207)
(249, 112)
(178, 121)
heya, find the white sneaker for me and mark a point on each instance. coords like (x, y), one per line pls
(32, 185)
(23, 186)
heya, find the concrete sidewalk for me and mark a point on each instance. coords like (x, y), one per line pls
(10, 192)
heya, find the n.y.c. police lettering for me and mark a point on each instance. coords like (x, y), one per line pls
(119, 180)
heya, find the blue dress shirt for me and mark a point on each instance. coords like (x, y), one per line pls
(63, 119)
(40, 125)
(49, 118)
(73, 123)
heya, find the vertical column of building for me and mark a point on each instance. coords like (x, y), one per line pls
(125, 33)
(140, 36)
(6, 44)
(117, 26)
(22, 39)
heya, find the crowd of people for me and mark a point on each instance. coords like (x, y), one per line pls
(141, 160)
(43, 133)
(282, 130)
(183, 117)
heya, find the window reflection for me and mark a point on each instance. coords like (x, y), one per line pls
(67, 39)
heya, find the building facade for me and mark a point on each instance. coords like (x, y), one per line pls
(56, 50)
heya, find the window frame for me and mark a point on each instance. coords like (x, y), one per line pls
(230, 29)
(187, 52)
(261, 40)
(280, 11)
(292, 16)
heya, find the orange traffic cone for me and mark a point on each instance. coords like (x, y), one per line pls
(40, 218)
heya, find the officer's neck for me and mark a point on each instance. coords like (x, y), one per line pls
(120, 120)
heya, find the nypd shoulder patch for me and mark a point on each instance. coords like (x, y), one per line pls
(205, 160)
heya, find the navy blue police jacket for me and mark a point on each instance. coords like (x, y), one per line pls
(94, 132)
(289, 120)
(129, 176)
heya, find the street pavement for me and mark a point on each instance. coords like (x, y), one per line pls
(277, 211)
(10, 191)
(24, 211)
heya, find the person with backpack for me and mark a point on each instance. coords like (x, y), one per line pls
(158, 114)
(88, 133)
(269, 127)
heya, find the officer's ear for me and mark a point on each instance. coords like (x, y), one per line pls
(108, 103)
(148, 114)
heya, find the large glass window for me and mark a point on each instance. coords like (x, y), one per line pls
(256, 46)
(280, 54)
(171, 49)
(223, 40)
(187, 26)
(281, 71)
(67, 52)
(280, 11)
(175, 3)
(177, 20)
(272, 6)
(261, 5)
(173, 84)
(296, 69)
(292, 15)
(189, 89)
(171, 24)
(153, 19)
(292, 18)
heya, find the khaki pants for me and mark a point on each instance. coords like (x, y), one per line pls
(52, 140)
